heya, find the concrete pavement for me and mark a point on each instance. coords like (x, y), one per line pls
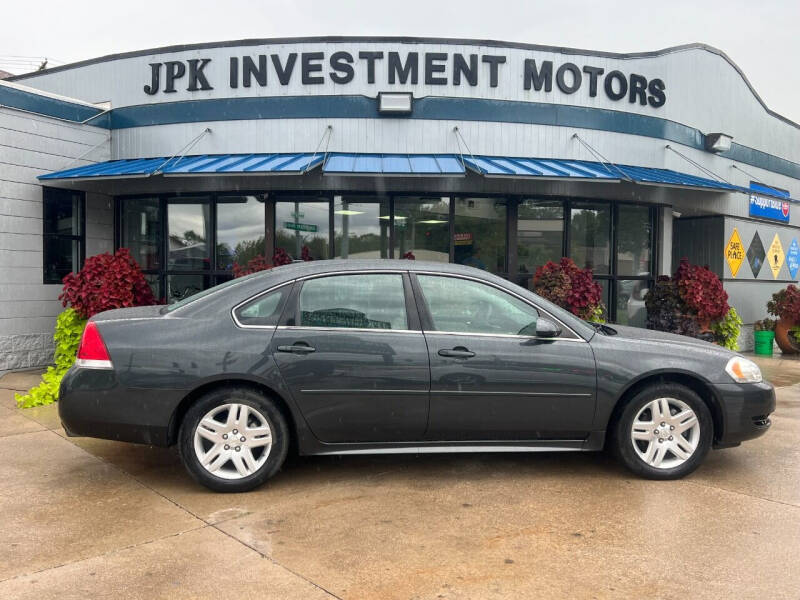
(90, 518)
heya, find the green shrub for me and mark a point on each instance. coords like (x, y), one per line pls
(726, 330)
(69, 327)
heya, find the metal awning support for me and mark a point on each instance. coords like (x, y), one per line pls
(180, 153)
(83, 155)
(699, 166)
(329, 133)
(603, 160)
(459, 140)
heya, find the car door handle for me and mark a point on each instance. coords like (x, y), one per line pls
(457, 352)
(297, 349)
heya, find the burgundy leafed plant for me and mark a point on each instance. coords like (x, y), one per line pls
(255, 264)
(409, 256)
(105, 282)
(785, 304)
(702, 291)
(305, 254)
(569, 286)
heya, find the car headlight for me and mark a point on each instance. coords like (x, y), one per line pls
(742, 370)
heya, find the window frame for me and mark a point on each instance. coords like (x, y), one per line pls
(567, 333)
(80, 238)
(289, 297)
(291, 312)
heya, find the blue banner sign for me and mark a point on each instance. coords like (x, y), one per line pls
(793, 258)
(765, 207)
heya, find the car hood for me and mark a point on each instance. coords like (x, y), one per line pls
(626, 334)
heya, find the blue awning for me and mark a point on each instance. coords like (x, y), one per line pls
(400, 165)
(403, 165)
(217, 164)
(547, 168)
(763, 189)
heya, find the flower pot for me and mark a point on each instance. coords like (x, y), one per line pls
(764, 340)
(785, 340)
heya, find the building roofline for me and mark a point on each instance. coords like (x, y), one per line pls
(412, 40)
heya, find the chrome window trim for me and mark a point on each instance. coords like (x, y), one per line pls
(359, 329)
(577, 338)
(241, 325)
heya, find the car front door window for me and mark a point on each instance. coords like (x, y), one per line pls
(465, 306)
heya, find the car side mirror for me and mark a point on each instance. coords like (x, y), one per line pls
(545, 328)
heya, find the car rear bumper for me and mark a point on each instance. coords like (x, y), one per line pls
(746, 410)
(91, 403)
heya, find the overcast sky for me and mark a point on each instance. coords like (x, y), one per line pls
(760, 36)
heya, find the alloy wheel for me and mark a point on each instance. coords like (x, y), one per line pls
(665, 433)
(233, 441)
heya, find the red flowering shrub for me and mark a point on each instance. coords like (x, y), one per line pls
(785, 304)
(281, 257)
(409, 256)
(260, 263)
(106, 282)
(255, 264)
(305, 254)
(702, 291)
(569, 286)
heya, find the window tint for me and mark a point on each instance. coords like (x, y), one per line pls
(264, 310)
(465, 306)
(356, 301)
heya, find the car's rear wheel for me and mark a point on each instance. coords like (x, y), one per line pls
(233, 439)
(664, 432)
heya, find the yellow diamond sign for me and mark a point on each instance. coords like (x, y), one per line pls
(734, 252)
(775, 256)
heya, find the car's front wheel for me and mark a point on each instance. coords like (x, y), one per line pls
(233, 439)
(664, 432)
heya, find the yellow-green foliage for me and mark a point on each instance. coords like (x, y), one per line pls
(726, 330)
(69, 327)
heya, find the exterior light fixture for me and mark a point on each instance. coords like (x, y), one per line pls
(394, 103)
(348, 212)
(432, 222)
(718, 142)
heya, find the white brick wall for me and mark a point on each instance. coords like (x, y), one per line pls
(31, 145)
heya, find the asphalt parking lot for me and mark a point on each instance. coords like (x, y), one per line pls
(83, 518)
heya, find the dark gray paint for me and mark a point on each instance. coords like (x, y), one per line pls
(558, 393)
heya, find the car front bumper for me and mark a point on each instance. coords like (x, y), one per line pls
(746, 410)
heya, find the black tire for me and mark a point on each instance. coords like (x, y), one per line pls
(623, 445)
(265, 408)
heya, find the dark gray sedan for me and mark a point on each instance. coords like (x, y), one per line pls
(365, 357)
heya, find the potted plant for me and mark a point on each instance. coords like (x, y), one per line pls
(764, 335)
(570, 287)
(785, 305)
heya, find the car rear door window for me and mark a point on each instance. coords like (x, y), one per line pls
(466, 306)
(363, 301)
(265, 310)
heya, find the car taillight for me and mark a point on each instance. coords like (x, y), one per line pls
(92, 353)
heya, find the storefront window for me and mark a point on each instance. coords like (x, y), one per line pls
(141, 231)
(301, 223)
(630, 302)
(480, 233)
(422, 227)
(183, 286)
(590, 236)
(361, 227)
(634, 239)
(188, 225)
(63, 233)
(240, 229)
(540, 236)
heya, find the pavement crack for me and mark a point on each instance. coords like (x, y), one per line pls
(205, 522)
(102, 554)
(722, 489)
